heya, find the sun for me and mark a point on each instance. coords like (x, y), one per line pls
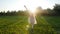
(30, 4)
(30, 9)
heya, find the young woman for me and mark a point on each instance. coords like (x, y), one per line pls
(32, 19)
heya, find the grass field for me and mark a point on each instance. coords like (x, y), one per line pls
(52, 23)
(13, 24)
(17, 25)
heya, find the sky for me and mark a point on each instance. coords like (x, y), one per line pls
(6, 5)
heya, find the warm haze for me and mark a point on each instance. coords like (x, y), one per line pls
(6, 5)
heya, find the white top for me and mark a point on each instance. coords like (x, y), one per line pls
(32, 19)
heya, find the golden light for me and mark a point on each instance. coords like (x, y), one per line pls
(31, 4)
(32, 10)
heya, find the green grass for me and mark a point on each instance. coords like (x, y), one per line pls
(13, 24)
(48, 24)
(17, 25)
(54, 21)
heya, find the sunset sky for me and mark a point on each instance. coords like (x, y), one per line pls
(31, 4)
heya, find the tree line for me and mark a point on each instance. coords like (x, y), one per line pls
(39, 11)
(50, 12)
(13, 13)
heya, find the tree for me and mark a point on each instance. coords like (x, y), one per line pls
(57, 9)
(39, 10)
(50, 11)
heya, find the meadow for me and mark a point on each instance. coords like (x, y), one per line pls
(18, 25)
